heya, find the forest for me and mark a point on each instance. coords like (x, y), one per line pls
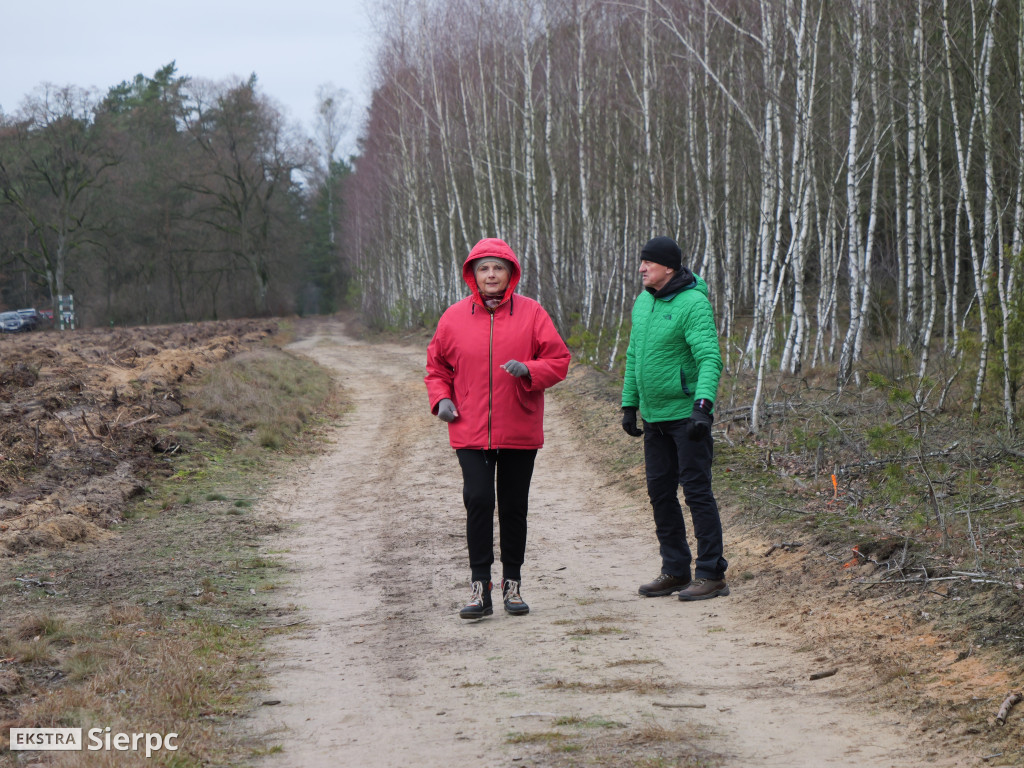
(170, 199)
(847, 177)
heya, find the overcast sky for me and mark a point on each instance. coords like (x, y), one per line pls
(292, 46)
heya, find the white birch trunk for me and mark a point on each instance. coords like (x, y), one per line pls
(582, 163)
(855, 257)
(645, 111)
(1011, 271)
(554, 191)
(867, 273)
(963, 143)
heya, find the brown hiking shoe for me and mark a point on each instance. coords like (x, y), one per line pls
(663, 585)
(705, 589)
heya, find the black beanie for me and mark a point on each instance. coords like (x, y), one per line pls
(663, 250)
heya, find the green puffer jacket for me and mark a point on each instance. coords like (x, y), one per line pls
(673, 356)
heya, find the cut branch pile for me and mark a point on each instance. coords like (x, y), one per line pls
(80, 421)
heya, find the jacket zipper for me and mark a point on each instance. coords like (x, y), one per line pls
(490, 381)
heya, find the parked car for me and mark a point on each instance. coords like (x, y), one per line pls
(31, 318)
(12, 322)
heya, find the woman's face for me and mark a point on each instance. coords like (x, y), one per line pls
(491, 278)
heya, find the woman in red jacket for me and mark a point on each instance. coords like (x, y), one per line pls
(492, 356)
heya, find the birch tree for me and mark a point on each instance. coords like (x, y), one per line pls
(800, 151)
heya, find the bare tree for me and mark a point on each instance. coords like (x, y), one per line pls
(333, 121)
(248, 156)
(52, 164)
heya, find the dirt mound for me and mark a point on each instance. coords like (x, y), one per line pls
(80, 418)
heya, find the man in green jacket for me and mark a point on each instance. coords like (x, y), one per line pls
(673, 364)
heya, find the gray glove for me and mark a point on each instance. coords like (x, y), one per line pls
(515, 368)
(446, 410)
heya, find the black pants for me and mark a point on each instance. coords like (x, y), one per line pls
(514, 470)
(672, 459)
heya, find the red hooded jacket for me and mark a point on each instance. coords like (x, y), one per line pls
(471, 343)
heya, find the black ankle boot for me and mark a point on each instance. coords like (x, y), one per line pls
(479, 604)
(514, 603)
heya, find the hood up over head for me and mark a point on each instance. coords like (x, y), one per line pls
(493, 248)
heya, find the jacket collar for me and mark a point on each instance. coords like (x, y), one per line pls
(682, 280)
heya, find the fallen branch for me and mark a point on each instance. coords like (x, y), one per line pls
(845, 468)
(36, 582)
(782, 508)
(913, 580)
(743, 413)
(980, 578)
(49, 587)
(139, 421)
(282, 626)
(74, 438)
(664, 705)
(1004, 710)
(821, 675)
(989, 507)
(94, 436)
(88, 428)
(787, 545)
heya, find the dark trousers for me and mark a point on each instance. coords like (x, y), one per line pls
(672, 459)
(513, 470)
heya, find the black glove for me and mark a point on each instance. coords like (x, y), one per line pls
(629, 422)
(700, 420)
(446, 410)
(517, 369)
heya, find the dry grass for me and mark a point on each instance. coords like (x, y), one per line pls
(620, 685)
(535, 737)
(649, 733)
(582, 630)
(139, 671)
(159, 632)
(603, 618)
(596, 742)
(39, 626)
(262, 392)
(34, 652)
(587, 722)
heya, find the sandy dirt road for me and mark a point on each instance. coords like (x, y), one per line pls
(385, 674)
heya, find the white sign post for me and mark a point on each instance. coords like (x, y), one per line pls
(66, 312)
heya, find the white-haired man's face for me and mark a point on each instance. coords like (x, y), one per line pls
(655, 275)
